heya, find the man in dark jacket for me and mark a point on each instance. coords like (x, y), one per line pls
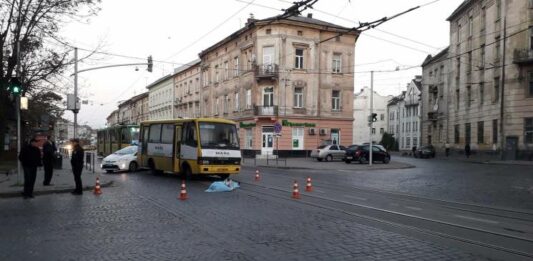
(467, 150)
(49, 150)
(76, 161)
(30, 158)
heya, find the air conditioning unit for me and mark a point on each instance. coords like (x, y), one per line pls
(323, 131)
(312, 131)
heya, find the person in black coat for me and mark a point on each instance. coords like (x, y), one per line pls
(467, 150)
(76, 161)
(30, 158)
(49, 150)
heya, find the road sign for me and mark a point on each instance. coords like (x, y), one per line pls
(277, 128)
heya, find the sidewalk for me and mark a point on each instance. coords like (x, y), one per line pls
(62, 181)
(475, 158)
(310, 163)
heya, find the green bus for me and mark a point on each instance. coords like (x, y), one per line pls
(116, 137)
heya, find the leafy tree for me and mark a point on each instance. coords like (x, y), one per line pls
(24, 27)
(388, 141)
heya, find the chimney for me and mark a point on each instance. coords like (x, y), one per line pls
(310, 15)
(251, 19)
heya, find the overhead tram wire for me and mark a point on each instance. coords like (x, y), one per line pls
(211, 31)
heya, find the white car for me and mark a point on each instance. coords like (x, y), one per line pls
(123, 159)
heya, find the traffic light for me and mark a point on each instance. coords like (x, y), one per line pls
(373, 117)
(15, 87)
(150, 64)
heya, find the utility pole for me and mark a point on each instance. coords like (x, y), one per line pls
(75, 111)
(371, 121)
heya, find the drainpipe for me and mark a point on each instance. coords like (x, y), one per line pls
(502, 92)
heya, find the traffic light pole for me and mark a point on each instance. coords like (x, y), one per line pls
(17, 105)
(370, 148)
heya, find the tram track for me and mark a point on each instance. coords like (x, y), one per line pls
(504, 245)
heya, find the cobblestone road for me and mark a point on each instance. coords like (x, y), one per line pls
(142, 220)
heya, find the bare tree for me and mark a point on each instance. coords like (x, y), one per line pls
(24, 26)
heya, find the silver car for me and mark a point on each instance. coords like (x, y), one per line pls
(329, 152)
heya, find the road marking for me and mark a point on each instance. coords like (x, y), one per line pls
(414, 208)
(317, 190)
(477, 219)
(354, 197)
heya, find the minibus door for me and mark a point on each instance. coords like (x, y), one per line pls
(177, 150)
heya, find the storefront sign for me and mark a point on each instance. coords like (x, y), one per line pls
(247, 125)
(297, 124)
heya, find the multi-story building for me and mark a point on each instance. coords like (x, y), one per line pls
(490, 88)
(112, 119)
(295, 73)
(361, 111)
(435, 86)
(187, 90)
(404, 116)
(124, 112)
(139, 108)
(161, 98)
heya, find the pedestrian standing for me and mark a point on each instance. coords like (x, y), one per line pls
(467, 150)
(76, 161)
(49, 150)
(30, 158)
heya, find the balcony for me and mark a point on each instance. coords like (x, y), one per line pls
(266, 71)
(266, 110)
(523, 56)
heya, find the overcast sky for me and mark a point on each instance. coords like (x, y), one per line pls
(174, 32)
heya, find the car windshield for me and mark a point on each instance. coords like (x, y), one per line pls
(127, 150)
(218, 136)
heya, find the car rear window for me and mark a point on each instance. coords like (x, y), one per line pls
(322, 146)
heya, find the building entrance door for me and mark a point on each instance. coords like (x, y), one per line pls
(267, 141)
(511, 146)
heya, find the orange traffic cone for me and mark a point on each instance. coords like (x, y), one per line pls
(257, 177)
(308, 186)
(295, 191)
(183, 191)
(97, 189)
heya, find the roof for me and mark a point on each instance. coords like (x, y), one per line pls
(460, 9)
(430, 59)
(253, 23)
(219, 120)
(160, 80)
(187, 66)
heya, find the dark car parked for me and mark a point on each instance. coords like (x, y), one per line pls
(427, 151)
(360, 153)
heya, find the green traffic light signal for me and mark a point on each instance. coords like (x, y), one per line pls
(15, 87)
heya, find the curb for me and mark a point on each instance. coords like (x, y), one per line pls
(16, 194)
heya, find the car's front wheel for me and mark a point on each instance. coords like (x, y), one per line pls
(386, 160)
(362, 160)
(132, 167)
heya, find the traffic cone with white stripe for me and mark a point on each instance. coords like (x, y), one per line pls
(183, 191)
(257, 176)
(295, 190)
(308, 186)
(97, 190)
